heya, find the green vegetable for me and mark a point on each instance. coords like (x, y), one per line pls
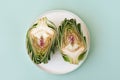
(71, 41)
(41, 40)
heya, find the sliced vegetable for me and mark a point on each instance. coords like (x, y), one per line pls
(71, 41)
(41, 40)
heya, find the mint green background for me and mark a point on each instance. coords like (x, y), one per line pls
(102, 18)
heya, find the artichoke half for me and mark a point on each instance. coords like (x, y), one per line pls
(71, 42)
(41, 39)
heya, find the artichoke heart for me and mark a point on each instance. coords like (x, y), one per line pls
(72, 43)
(41, 39)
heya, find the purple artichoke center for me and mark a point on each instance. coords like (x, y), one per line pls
(71, 39)
(42, 42)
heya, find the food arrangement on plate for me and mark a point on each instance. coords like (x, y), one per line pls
(43, 36)
(58, 42)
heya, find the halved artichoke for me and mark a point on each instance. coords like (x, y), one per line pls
(71, 42)
(41, 39)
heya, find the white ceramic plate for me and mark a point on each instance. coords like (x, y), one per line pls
(57, 65)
